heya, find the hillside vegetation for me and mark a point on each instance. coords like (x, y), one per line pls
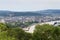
(41, 32)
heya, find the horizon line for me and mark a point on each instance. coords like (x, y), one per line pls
(26, 10)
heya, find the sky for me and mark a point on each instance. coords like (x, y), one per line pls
(29, 5)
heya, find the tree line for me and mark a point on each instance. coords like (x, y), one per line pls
(41, 32)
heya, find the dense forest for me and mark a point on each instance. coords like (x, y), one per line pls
(41, 32)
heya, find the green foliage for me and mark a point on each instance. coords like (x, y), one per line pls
(2, 27)
(41, 32)
(46, 32)
(19, 34)
(4, 36)
(16, 33)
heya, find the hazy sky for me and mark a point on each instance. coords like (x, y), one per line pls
(29, 5)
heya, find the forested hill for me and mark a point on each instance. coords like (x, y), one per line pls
(34, 13)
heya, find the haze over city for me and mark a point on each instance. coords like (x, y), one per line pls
(29, 5)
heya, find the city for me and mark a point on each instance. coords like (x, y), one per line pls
(23, 19)
(29, 19)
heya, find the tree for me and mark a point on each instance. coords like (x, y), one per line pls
(2, 27)
(4, 36)
(43, 32)
(19, 34)
(56, 33)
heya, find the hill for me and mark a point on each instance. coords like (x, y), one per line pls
(48, 12)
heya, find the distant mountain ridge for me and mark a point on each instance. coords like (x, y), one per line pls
(48, 12)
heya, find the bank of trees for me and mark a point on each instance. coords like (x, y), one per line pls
(7, 33)
(41, 32)
(46, 32)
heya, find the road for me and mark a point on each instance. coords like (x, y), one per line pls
(32, 27)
